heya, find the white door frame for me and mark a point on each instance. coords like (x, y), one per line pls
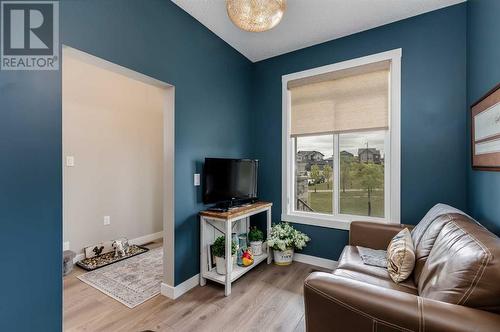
(168, 152)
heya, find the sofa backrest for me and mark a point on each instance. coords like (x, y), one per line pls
(463, 266)
(426, 231)
(426, 242)
(436, 211)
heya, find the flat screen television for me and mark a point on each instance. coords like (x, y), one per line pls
(229, 182)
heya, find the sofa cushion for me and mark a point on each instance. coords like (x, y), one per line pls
(427, 239)
(401, 256)
(350, 259)
(436, 211)
(373, 257)
(463, 266)
(426, 231)
(380, 281)
(352, 265)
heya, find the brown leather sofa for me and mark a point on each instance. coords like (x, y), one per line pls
(455, 285)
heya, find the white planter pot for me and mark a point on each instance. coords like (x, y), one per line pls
(256, 247)
(283, 257)
(220, 264)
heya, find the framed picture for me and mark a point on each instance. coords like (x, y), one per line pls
(485, 132)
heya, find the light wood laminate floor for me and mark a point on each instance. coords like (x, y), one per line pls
(268, 298)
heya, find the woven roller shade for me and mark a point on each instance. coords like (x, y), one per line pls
(352, 103)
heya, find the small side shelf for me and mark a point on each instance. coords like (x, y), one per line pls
(223, 222)
(238, 271)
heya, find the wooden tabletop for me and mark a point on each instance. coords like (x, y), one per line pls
(234, 213)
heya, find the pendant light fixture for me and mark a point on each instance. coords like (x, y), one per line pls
(256, 15)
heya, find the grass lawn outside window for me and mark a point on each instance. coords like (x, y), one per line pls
(352, 201)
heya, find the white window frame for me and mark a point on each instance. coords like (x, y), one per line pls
(392, 164)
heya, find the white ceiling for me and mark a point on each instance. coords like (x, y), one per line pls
(306, 22)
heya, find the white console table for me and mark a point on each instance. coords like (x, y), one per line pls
(224, 222)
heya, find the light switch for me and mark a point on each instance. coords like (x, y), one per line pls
(70, 161)
(196, 180)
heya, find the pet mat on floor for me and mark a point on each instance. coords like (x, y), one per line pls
(96, 262)
(131, 281)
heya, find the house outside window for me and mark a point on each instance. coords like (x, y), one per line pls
(341, 150)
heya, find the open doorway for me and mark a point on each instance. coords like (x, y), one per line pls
(118, 178)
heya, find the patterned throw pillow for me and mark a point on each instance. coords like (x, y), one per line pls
(401, 256)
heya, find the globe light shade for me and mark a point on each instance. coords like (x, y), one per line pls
(256, 15)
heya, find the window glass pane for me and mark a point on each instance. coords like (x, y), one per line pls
(314, 174)
(361, 190)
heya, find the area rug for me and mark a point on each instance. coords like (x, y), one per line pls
(131, 281)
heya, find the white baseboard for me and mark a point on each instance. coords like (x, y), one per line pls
(177, 291)
(317, 261)
(146, 238)
(138, 241)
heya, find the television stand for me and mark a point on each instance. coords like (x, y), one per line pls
(231, 205)
(223, 222)
(228, 208)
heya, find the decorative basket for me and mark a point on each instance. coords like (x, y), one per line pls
(220, 264)
(283, 257)
(256, 247)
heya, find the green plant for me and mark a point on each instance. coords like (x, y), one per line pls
(371, 177)
(315, 175)
(327, 173)
(345, 171)
(219, 247)
(255, 234)
(284, 236)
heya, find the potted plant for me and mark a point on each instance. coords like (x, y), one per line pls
(219, 251)
(256, 236)
(284, 239)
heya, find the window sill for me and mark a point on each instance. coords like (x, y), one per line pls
(335, 222)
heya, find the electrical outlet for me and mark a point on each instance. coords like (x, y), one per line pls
(70, 161)
(197, 180)
(65, 245)
(107, 220)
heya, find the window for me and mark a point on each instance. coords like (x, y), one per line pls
(341, 142)
(361, 174)
(313, 174)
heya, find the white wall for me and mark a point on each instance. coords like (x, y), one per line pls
(113, 126)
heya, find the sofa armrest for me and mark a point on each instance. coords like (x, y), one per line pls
(373, 235)
(334, 303)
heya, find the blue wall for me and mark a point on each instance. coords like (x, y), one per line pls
(213, 110)
(433, 104)
(30, 201)
(211, 81)
(212, 115)
(483, 74)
